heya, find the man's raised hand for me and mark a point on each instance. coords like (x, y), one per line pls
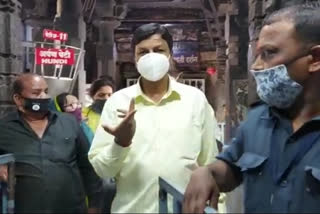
(124, 132)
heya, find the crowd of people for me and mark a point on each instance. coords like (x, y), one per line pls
(76, 159)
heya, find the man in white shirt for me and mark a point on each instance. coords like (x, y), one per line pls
(155, 128)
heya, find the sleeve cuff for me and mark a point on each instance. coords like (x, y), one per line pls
(230, 163)
(225, 159)
(118, 151)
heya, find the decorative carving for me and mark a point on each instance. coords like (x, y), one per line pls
(11, 30)
(10, 6)
(10, 50)
(38, 9)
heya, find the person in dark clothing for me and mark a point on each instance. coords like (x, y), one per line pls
(66, 102)
(53, 174)
(100, 91)
(275, 152)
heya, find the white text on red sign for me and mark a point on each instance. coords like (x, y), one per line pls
(54, 56)
(55, 35)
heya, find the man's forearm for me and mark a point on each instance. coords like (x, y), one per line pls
(225, 177)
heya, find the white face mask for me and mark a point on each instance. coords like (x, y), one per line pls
(153, 66)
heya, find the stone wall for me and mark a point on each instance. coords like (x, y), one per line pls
(236, 39)
(11, 32)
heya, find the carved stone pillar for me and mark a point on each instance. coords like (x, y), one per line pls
(11, 33)
(105, 48)
(106, 24)
(256, 14)
(236, 89)
(71, 21)
(37, 15)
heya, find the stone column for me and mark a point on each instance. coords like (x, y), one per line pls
(106, 23)
(256, 15)
(71, 22)
(11, 33)
(236, 90)
(36, 15)
(105, 49)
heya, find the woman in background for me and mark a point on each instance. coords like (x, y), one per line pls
(100, 91)
(69, 103)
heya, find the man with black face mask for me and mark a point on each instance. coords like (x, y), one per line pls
(52, 168)
(275, 152)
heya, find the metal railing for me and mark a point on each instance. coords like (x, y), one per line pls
(221, 127)
(60, 78)
(7, 188)
(165, 189)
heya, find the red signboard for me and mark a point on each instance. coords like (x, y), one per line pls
(54, 56)
(54, 35)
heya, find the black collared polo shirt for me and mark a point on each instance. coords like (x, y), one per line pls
(53, 173)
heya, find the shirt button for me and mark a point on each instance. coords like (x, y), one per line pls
(308, 189)
(284, 183)
(260, 173)
(271, 199)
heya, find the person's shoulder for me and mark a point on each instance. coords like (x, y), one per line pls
(85, 110)
(187, 90)
(121, 98)
(257, 103)
(8, 117)
(124, 93)
(256, 111)
(180, 85)
(66, 118)
(258, 108)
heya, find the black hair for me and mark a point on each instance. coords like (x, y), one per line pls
(145, 31)
(61, 100)
(17, 86)
(99, 83)
(306, 20)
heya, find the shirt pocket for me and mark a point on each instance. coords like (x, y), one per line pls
(312, 180)
(251, 166)
(251, 163)
(64, 150)
(309, 191)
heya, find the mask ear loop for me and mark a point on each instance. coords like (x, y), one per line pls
(172, 61)
(178, 76)
(297, 57)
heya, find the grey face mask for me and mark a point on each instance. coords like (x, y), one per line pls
(276, 88)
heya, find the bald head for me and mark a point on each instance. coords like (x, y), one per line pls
(21, 80)
(30, 94)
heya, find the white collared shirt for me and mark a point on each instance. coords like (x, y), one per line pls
(172, 138)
